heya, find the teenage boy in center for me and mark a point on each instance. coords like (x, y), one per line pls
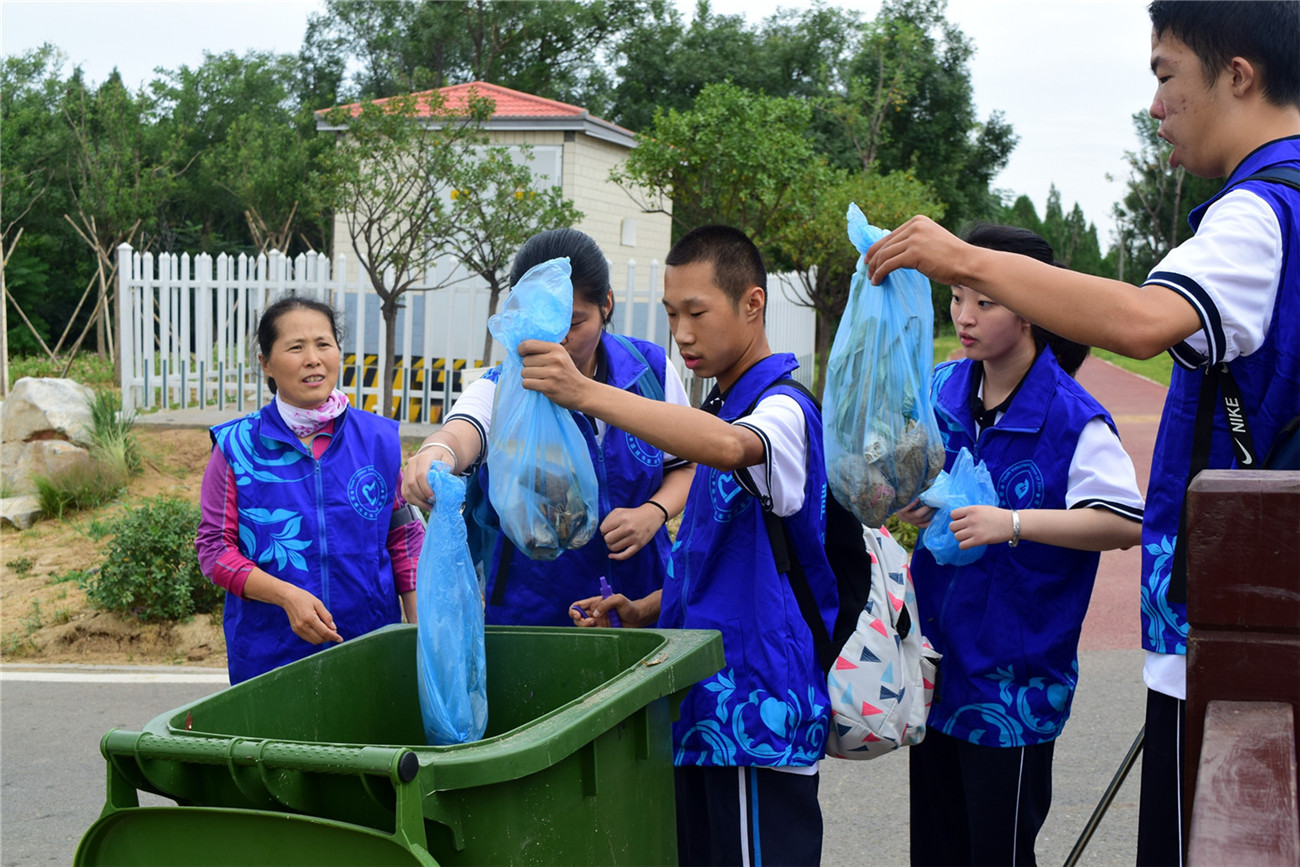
(749, 738)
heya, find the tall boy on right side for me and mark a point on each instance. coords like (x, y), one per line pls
(1228, 101)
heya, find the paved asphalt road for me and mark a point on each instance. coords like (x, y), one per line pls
(52, 776)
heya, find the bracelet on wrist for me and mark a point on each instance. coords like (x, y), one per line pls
(455, 461)
(659, 507)
(1015, 529)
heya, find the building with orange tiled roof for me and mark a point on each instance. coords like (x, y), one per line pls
(572, 149)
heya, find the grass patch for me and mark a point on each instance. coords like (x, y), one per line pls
(21, 566)
(72, 575)
(86, 368)
(113, 441)
(77, 490)
(1159, 369)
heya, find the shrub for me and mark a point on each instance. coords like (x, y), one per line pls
(150, 571)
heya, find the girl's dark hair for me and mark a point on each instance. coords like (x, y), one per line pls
(268, 327)
(1011, 239)
(590, 267)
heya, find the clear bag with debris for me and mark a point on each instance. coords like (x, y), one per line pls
(541, 481)
(882, 444)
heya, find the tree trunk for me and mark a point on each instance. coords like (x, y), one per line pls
(387, 363)
(821, 352)
(493, 299)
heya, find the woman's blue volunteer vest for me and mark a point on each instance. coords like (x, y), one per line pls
(768, 706)
(320, 525)
(1008, 624)
(1269, 379)
(522, 591)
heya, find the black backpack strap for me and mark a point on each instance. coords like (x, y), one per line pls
(787, 560)
(1202, 436)
(1276, 174)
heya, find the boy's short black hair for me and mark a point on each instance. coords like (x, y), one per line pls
(737, 264)
(1265, 33)
(1013, 239)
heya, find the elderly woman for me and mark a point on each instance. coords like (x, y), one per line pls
(303, 521)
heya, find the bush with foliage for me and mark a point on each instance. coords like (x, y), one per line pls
(151, 571)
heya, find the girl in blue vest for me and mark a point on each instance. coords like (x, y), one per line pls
(1008, 624)
(302, 520)
(640, 485)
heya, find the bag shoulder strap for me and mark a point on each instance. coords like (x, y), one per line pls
(649, 384)
(786, 558)
(1276, 174)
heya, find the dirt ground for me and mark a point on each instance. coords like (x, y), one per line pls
(45, 619)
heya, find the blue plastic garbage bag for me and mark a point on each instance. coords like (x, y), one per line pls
(882, 444)
(450, 661)
(540, 479)
(967, 484)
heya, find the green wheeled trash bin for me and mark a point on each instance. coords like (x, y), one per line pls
(323, 761)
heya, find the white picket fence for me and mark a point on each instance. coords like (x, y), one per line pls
(187, 329)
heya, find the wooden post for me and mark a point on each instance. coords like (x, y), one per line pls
(1243, 610)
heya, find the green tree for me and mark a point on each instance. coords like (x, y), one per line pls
(123, 168)
(497, 206)
(1152, 218)
(389, 177)
(734, 157)
(934, 131)
(551, 49)
(818, 248)
(33, 186)
(249, 148)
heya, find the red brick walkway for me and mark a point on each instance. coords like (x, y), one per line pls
(1135, 403)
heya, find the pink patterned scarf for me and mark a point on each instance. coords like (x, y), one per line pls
(306, 422)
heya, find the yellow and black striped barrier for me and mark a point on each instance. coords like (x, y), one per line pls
(408, 391)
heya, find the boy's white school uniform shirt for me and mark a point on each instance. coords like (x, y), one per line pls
(780, 478)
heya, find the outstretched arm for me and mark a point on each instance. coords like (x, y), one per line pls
(1135, 321)
(683, 431)
(1093, 529)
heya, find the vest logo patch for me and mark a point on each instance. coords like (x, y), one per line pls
(368, 493)
(642, 451)
(1021, 486)
(729, 498)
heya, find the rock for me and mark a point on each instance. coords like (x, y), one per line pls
(21, 512)
(36, 406)
(49, 458)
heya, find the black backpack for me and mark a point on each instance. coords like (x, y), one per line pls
(846, 551)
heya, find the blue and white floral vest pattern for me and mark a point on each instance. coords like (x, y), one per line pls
(320, 525)
(768, 706)
(1269, 379)
(1008, 624)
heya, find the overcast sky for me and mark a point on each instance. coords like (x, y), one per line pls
(1068, 74)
